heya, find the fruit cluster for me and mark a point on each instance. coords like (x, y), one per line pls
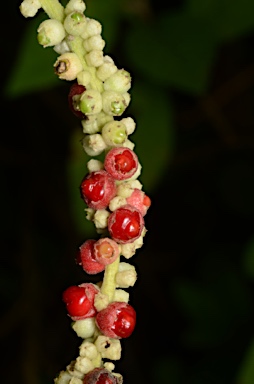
(112, 193)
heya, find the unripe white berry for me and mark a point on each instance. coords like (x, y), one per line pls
(63, 378)
(84, 328)
(121, 295)
(75, 380)
(126, 275)
(114, 133)
(88, 349)
(93, 144)
(129, 144)
(94, 58)
(93, 27)
(108, 347)
(62, 47)
(50, 33)
(113, 103)
(75, 5)
(67, 66)
(83, 364)
(94, 42)
(129, 124)
(29, 8)
(94, 165)
(94, 123)
(120, 81)
(117, 202)
(107, 69)
(75, 23)
(109, 366)
(73, 371)
(90, 102)
(89, 213)
(100, 218)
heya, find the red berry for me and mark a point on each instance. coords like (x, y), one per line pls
(139, 200)
(101, 376)
(106, 251)
(79, 301)
(117, 320)
(125, 224)
(73, 99)
(86, 258)
(121, 163)
(97, 189)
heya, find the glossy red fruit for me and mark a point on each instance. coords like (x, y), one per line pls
(86, 258)
(97, 189)
(101, 376)
(73, 99)
(79, 301)
(117, 320)
(121, 163)
(125, 224)
(139, 200)
(106, 251)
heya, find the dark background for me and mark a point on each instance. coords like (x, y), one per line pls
(194, 294)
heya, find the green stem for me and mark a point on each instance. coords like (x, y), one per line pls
(109, 285)
(76, 46)
(54, 9)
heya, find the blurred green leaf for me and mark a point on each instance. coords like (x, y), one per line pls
(246, 373)
(33, 69)
(176, 50)
(154, 134)
(167, 370)
(216, 306)
(231, 19)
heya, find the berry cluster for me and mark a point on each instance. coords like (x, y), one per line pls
(112, 193)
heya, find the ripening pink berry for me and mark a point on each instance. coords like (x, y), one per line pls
(97, 189)
(79, 301)
(139, 200)
(106, 251)
(125, 224)
(121, 163)
(117, 320)
(86, 258)
(101, 376)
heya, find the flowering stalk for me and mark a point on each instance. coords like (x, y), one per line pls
(116, 204)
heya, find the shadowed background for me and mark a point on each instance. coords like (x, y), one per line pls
(192, 66)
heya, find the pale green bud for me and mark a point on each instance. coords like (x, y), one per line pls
(50, 33)
(114, 133)
(120, 81)
(90, 102)
(29, 8)
(113, 103)
(63, 378)
(94, 144)
(93, 27)
(75, 6)
(129, 124)
(108, 347)
(84, 328)
(94, 123)
(67, 66)
(94, 58)
(75, 23)
(62, 47)
(94, 42)
(107, 69)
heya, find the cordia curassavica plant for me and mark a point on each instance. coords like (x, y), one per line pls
(115, 201)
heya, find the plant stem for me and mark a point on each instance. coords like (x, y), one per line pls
(54, 9)
(76, 46)
(109, 285)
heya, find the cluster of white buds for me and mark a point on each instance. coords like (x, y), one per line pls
(99, 96)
